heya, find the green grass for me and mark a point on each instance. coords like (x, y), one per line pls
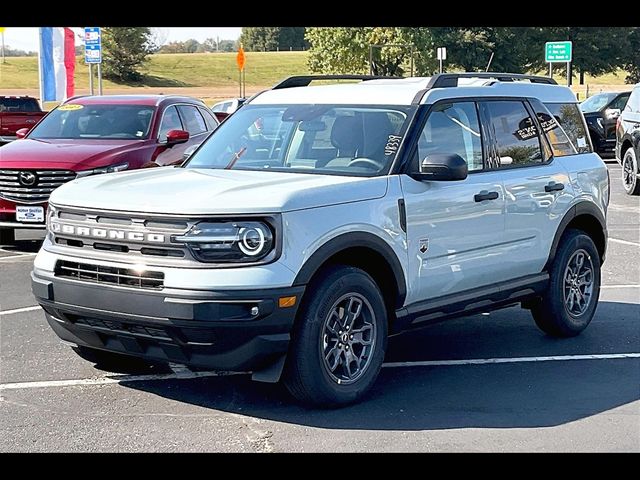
(214, 76)
(175, 70)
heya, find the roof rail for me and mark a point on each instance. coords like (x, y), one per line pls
(305, 80)
(447, 80)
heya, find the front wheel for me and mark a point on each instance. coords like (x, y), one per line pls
(570, 301)
(339, 339)
(630, 172)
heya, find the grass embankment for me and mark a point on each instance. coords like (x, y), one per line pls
(210, 76)
(214, 76)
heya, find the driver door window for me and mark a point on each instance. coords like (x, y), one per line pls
(452, 128)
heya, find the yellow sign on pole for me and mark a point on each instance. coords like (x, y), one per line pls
(240, 58)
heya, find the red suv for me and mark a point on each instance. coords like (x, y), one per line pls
(89, 136)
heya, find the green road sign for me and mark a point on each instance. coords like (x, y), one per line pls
(558, 52)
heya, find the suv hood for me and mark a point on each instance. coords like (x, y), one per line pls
(64, 154)
(172, 190)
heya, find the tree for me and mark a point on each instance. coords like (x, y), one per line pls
(269, 39)
(632, 59)
(260, 39)
(346, 50)
(596, 50)
(125, 51)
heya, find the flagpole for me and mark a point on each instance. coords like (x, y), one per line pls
(40, 67)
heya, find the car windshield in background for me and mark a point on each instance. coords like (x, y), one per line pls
(597, 102)
(74, 121)
(17, 104)
(322, 139)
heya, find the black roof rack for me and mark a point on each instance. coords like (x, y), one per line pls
(305, 80)
(447, 80)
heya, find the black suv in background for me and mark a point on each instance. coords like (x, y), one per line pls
(628, 142)
(601, 112)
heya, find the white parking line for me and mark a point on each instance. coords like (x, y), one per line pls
(619, 286)
(114, 379)
(21, 255)
(184, 375)
(19, 310)
(624, 242)
(484, 361)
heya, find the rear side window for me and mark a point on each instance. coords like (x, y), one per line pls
(28, 105)
(209, 119)
(192, 119)
(558, 139)
(620, 102)
(572, 121)
(516, 136)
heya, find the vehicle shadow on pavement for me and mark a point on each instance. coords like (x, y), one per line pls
(513, 395)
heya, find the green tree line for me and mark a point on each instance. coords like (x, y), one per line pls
(596, 50)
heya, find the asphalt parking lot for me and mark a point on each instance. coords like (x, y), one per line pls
(490, 382)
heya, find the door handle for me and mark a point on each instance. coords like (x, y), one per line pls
(485, 195)
(553, 187)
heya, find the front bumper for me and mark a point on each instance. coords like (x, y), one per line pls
(8, 216)
(209, 329)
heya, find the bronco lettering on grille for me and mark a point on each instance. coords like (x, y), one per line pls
(107, 233)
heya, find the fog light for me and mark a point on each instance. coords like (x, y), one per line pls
(255, 311)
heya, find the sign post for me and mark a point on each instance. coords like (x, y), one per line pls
(93, 54)
(559, 52)
(240, 61)
(442, 55)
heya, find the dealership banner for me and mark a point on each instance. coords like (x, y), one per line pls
(56, 58)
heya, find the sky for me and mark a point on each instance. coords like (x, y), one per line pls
(26, 38)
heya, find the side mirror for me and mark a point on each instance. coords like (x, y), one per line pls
(174, 137)
(612, 112)
(442, 167)
(22, 132)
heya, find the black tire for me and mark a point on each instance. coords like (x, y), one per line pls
(630, 181)
(7, 236)
(111, 361)
(307, 375)
(553, 314)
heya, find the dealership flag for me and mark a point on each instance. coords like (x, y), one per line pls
(56, 58)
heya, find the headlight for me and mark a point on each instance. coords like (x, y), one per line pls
(229, 242)
(51, 212)
(110, 169)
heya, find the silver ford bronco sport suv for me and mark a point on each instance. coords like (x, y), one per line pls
(319, 220)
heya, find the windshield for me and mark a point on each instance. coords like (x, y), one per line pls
(597, 102)
(322, 139)
(74, 121)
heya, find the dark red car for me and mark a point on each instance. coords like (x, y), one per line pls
(89, 136)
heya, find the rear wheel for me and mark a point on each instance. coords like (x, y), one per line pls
(7, 237)
(570, 301)
(630, 172)
(339, 340)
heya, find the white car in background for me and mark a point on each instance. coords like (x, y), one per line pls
(223, 109)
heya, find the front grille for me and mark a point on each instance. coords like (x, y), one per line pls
(32, 186)
(125, 277)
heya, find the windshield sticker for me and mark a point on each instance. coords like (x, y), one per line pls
(582, 142)
(139, 133)
(393, 143)
(70, 106)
